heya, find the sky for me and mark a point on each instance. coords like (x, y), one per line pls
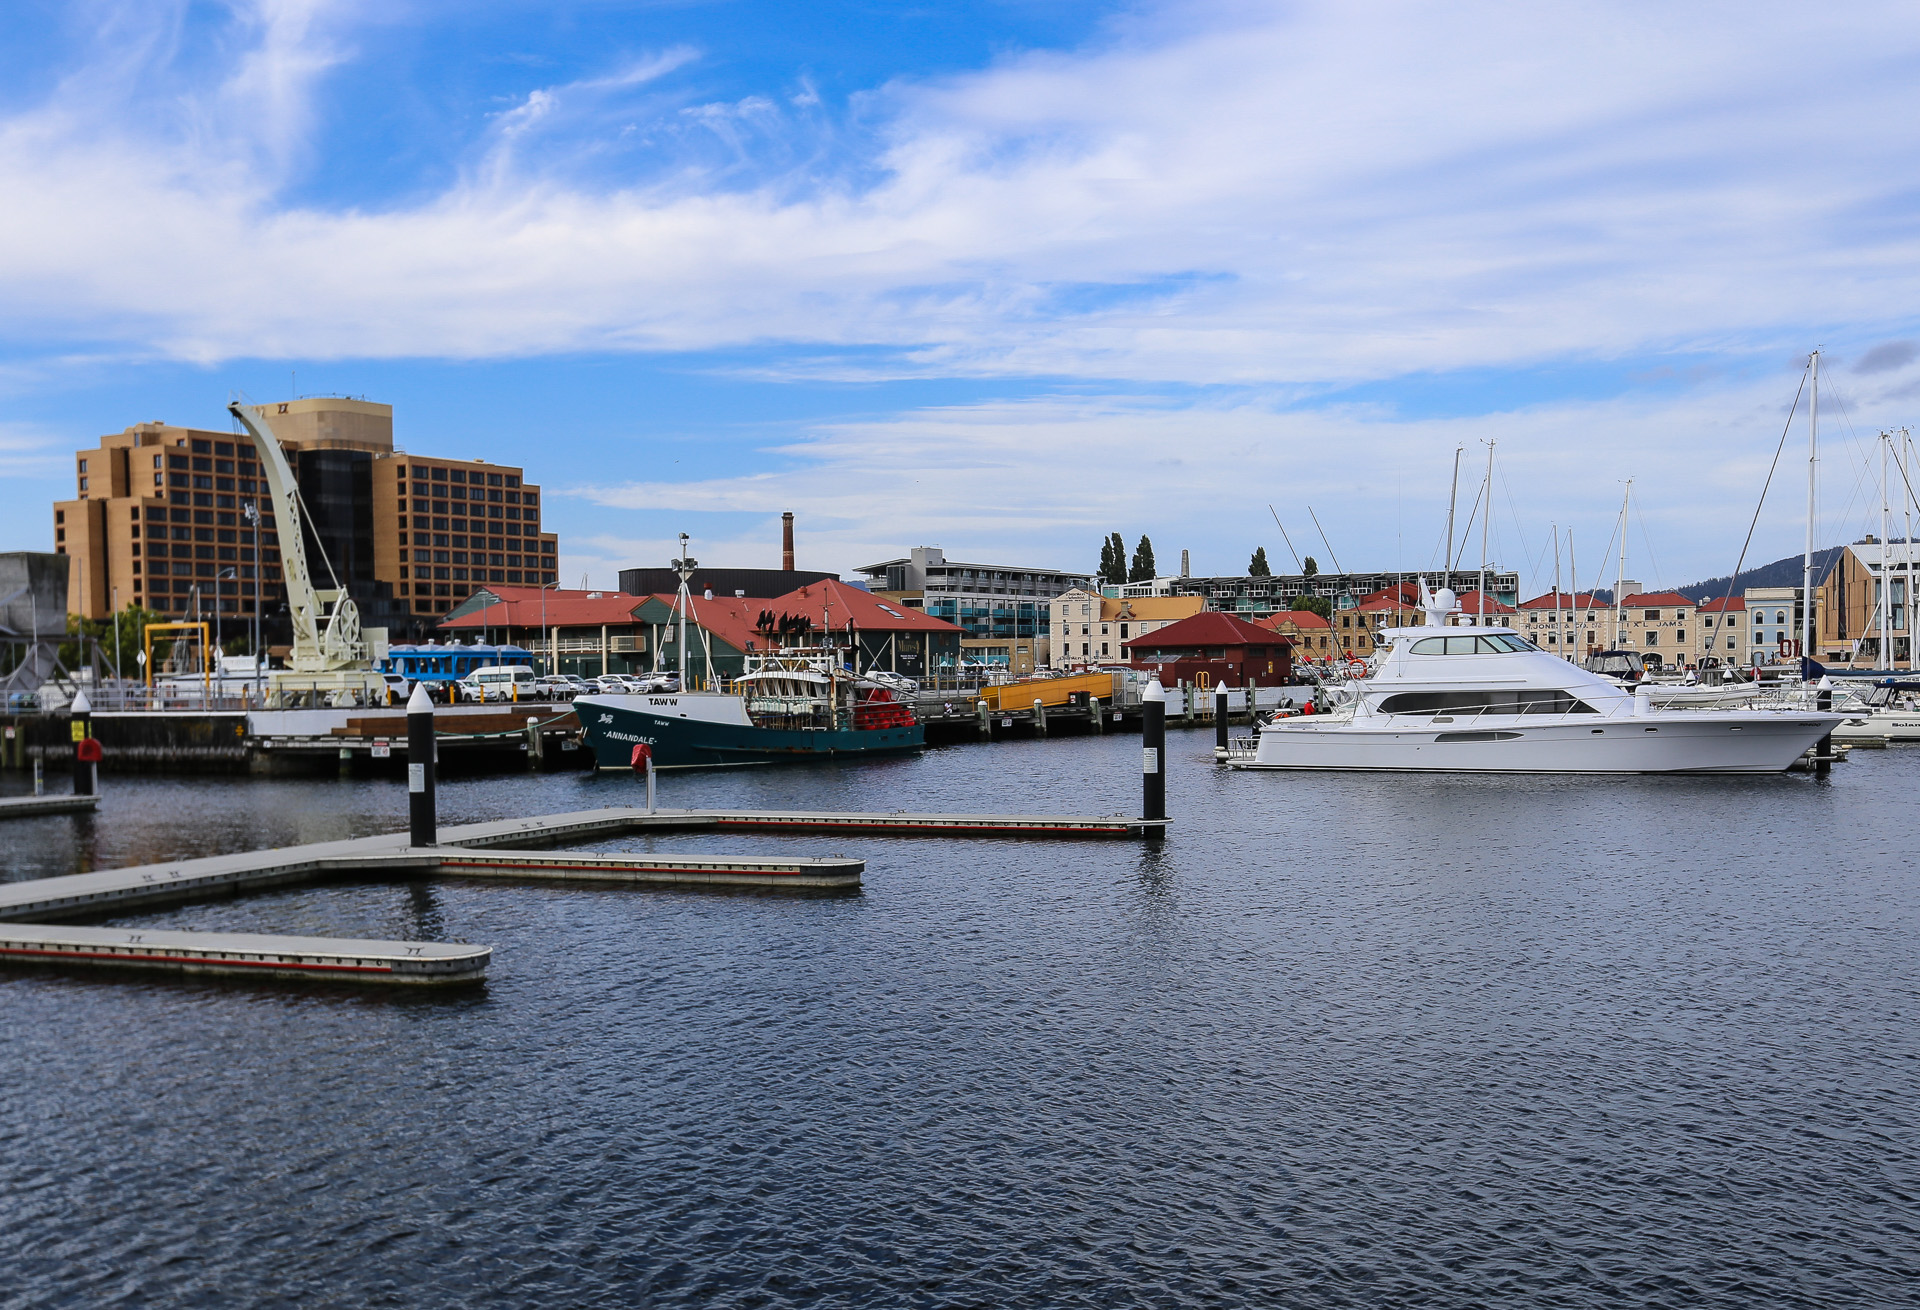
(1002, 276)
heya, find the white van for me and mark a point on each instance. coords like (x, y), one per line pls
(498, 682)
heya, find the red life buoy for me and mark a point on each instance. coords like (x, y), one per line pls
(642, 756)
(88, 751)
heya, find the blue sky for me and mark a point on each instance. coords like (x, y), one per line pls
(998, 276)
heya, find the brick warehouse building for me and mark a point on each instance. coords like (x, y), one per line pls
(160, 520)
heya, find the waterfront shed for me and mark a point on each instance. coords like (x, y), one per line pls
(1213, 648)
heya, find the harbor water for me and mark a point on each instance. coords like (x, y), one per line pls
(1339, 1040)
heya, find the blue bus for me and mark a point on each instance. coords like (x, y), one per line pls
(444, 664)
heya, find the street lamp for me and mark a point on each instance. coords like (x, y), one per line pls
(252, 511)
(546, 638)
(228, 572)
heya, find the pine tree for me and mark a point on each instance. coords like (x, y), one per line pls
(1257, 566)
(1143, 570)
(1308, 568)
(1113, 560)
(1106, 560)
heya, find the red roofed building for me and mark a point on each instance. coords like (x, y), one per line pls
(1310, 635)
(1578, 628)
(1214, 648)
(1478, 609)
(594, 632)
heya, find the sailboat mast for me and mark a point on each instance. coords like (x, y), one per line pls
(1559, 636)
(1453, 499)
(1573, 583)
(1885, 582)
(1486, 521)
(1907, 463)
(1806, 560)
(1620, 577)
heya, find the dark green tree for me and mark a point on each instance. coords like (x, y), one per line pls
(1308, 567)
(1316, 604)
(1113, 560)
(1143, 570)
(1257, 567)
(1106, 559)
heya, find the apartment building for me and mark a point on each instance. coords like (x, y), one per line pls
(1086, 627)
(1002, 608)
(178, 520)
(1863, 577)
(1570, 624)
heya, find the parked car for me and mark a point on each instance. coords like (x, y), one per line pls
(609, 684)
(497, 682)
(554, 687)
(661, 683)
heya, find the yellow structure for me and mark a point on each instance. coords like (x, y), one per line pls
(1050, 692)
(146, 645)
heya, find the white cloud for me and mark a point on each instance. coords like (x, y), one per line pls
(1213, 193)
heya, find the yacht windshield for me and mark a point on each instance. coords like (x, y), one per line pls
(1518, 701)
(1497, 643)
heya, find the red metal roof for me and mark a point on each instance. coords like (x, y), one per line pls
(1207, 629)
(1479, 602)
(1302, 619)
(835, 603)
(1723, 604)
(1576, 600)
(525, 607)
(1655, 598)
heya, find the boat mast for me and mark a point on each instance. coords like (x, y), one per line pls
(1806, 560)
(684, 567)
(1573, 584)
(1486, 521)
(1559, 637)
(1885, 597)
(1907, 463)
(1453, 499)
(1619, 628)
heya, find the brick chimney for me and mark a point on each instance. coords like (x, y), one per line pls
(786, 541)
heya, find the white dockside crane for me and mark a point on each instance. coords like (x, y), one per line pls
(333, 657)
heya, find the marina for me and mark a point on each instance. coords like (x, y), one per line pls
(244, 955)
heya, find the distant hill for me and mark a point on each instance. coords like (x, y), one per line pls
(1781, 573)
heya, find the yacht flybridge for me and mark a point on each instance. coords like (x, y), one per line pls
(1487, 700)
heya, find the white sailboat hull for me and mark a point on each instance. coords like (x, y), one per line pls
(1700, 742)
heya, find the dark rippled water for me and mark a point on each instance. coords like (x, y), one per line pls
(1340, 1041)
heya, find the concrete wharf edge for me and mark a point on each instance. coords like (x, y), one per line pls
(250, 955)
(27, 807)
(470, 850)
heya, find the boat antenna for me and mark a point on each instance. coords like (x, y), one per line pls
(1620, 576)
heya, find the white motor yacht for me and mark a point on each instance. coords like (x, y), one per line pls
(1487, 700)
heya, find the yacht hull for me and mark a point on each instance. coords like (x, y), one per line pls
(1705, 742)
(712, 731)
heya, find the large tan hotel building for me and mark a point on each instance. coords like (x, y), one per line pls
(160, 520)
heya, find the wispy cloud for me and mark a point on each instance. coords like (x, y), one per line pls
(1315, 193)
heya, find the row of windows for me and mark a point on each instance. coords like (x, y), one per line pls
(437, 473)
(479, 511)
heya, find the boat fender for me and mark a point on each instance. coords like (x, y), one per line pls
(641, 754)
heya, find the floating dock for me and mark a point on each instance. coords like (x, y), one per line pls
(499, 850)
(249, 955)
(29, 807)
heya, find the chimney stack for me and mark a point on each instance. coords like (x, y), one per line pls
(1185, 567)
(786, 541)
